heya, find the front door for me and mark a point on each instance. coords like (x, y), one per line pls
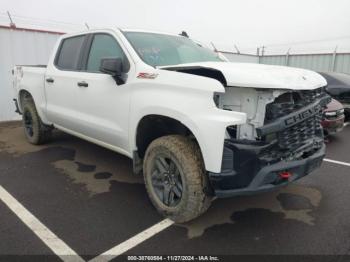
(102, 103)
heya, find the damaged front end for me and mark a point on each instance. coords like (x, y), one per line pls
(282, 139)
(281, 142)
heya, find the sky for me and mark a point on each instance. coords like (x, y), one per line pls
(301, 25)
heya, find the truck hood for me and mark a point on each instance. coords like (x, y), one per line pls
(256, 75)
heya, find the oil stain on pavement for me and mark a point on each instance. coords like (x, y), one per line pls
(90, 161)
(98, 181)
(295, 202)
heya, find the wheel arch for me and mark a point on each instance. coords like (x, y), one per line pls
(153, 126)
(38, 101)
(182, 127)
(23, 94)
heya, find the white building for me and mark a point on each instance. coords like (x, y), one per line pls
(20, 46)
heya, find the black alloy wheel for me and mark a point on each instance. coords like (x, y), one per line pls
(166, 181)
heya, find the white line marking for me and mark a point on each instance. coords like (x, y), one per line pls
(49, 238)
(134, 241)
(336, 162)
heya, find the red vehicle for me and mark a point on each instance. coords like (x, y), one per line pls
(333, 117)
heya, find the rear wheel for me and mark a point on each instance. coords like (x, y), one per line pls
(175, 178)
(35, 130)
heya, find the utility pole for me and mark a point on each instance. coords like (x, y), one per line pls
(87, 26)
(12, 24)
(287, 57)
(238, 52)
(334, 57)
(263, 50)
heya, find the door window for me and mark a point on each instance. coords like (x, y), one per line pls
(68, 57)
(104, 46)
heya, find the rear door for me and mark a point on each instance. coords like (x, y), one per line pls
(62, 91)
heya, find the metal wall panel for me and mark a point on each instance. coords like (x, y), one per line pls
(273, 60)
(316, 62)
(20, 47)
(241, 58)
(342, 63)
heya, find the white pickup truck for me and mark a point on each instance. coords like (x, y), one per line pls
(195, 125)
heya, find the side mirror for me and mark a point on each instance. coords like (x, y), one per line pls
(113, 67)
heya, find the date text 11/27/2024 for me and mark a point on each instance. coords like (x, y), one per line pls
(173, 258)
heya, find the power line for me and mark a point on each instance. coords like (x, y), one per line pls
(310, 41)
(39, 19)
(43, 22)
(39, 23)
(290, 44)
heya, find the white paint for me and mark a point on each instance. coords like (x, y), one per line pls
(134, 241)
(46, 235)
(336, 162)
(112, 119)
(264, 76)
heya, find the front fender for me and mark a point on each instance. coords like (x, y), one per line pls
(193, 107)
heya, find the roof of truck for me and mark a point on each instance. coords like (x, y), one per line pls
(147, 31)
(121, 29)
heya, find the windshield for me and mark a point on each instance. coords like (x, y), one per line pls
(161, 50)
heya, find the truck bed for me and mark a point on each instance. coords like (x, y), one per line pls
(32, 79)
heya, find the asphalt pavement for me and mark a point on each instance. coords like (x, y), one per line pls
(88, 197)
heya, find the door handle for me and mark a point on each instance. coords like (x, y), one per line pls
(50, 80)
(83, 84)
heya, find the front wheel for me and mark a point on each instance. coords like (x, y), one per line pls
(175, 178)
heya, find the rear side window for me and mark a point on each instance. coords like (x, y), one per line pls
(68, 57)
(104, 46)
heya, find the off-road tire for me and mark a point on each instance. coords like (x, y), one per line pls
(41, 133)
(187, 156)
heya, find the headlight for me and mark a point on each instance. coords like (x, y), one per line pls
(334, 113)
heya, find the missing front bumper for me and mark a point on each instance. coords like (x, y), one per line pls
(243, 171)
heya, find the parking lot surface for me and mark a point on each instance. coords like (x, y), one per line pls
(88, 197)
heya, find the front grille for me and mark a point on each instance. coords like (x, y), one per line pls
(302, 134)
(295, 136)
(290, 102)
